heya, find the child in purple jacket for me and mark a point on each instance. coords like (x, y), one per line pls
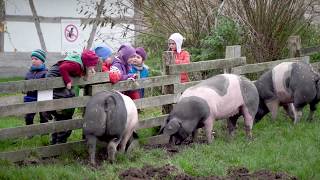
(120, 64)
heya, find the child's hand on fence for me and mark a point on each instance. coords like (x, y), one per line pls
(114, 76)
(69, 85)
(132, 77)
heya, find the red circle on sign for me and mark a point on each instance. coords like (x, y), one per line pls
(71, 33)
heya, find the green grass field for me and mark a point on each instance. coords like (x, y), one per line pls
(277, 146)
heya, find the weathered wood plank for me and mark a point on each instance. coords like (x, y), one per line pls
(41, 152)
(7, 100)
(48, 83)
(309, 50)
(159, 139)
(316, 65)
(58, 149)
(152, 122)
(57, 126)
(56, 104)
(38, 129)
(207, 65)
(139, 83)
(179, 88)
(156, 101)
(259, 67)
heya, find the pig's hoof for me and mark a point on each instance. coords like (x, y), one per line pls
(250, 138)
(111, 161)
(93, 166)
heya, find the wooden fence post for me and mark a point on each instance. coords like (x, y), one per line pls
(232, 52)
(167, 59)
(294, 46)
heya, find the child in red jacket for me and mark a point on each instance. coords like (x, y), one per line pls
(181, 56)
(73, 65)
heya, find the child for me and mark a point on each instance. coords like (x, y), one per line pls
(73, 65)
(104, 53)
(138, 67)
(37, 70)
(120, 64)
(181, 56)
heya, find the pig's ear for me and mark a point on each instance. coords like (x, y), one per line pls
(164, 124)
(110, 103)
(172, 127)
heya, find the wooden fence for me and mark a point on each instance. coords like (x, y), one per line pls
(170, 81)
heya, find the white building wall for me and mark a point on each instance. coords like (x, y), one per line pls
(22, 36)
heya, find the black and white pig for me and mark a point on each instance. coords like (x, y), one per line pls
(291, 85)
(112, 117)
(221, 96)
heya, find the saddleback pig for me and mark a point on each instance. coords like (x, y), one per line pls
(111, 117)
(221, 96)
(291, 85)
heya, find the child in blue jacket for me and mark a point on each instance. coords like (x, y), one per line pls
(37, 70)
(140, 69)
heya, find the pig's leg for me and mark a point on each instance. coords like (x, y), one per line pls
(297, 113)
(208, 125)
(289, 110)
(273, 106)
(91, 141)
(312, 110)
(232, 122)
(299, 101)
(112, 149)
(125, 139)
(195, 135)
(248, 121)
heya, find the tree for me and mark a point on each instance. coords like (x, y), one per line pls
(194, 19)
(269, 23)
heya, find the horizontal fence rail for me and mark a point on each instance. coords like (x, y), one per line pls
(309, 50)
(58, 149)
(48, 83)
(179, 88)
(260, 67)
(42, 152)
(207, 65)
(139, 83)
(57, 104)
(57, 126)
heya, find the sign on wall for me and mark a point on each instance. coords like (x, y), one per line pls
(71, 36)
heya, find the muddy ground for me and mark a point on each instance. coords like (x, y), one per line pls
(171, 172)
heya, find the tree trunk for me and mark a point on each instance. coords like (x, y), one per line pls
(94, 26)
(37, 23)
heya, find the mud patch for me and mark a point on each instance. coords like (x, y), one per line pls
(172, 149)
(171, 172)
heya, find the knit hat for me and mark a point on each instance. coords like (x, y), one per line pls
(178, 39)
(140, 51)
(39, 54)
(102, 51)
(126, 51)
(89, 58)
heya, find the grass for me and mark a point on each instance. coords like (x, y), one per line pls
(278, 145)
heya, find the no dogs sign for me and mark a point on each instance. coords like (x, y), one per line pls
(71, 36)
(71, 33)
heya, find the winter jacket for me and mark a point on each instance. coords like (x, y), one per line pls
(182, 58)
